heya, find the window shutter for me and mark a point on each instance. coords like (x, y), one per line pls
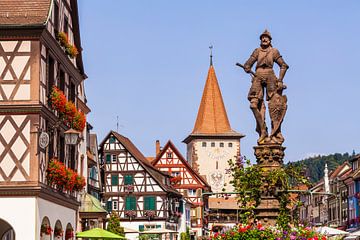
(152, 203)
(109, 206)
(146, 203)
(114, 180)
(181, 206)
(108, 158)
(133, 203)
(130, 203)
(149, 203)
(141, 228)
(129, 180)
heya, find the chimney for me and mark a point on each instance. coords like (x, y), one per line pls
(157, 144)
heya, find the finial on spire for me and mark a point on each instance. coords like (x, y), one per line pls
(211, 47)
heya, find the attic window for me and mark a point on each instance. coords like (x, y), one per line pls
(112, 139)
(212, 144)
(203, 144)
(169, 155)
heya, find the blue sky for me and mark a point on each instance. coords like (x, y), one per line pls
(147, 63)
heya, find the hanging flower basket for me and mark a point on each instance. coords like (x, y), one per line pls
(45, 230)
(58, 232)
(69, 234)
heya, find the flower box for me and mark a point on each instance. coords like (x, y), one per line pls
(129, 188)
(149, 213)
(63, 178)
(175, 180)
(70, 49)
(68, 113)
(130, 213)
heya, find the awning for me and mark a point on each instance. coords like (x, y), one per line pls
(158, 231)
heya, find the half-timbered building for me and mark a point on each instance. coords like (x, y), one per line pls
(138, 192)
(184, 179)
(32, 61)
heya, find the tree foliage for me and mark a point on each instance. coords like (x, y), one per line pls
(315, 165)
(252, 181)
(114, 224)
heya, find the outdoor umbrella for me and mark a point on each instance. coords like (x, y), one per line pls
(98, 233)
(330, 231)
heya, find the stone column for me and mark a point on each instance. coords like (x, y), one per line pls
(268, 157)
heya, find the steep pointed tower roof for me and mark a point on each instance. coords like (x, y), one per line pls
(212, 119)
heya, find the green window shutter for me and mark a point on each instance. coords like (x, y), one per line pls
(181, 207)
(141, 228)
(149, 203)
(158, 226)
(114, 180)
(109, 206)
(108, 158)
(130, 203)
(152, 203)
(129, 180)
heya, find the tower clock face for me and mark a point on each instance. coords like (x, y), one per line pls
(217, 153)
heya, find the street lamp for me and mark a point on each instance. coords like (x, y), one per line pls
(71, 137)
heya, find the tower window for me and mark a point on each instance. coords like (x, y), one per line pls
(230, 144)
(203, 144)
(221, 144)
(212, 144)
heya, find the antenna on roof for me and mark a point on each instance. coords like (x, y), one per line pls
(211, 61)
(117, 123)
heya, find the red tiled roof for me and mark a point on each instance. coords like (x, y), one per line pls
(24, 12)
(212, 117)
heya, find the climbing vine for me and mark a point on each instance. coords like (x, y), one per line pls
(251, 181)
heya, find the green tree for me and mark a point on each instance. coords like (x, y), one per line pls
(276, 182)
(114, 224)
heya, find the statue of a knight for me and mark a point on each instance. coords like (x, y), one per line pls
(264, 78)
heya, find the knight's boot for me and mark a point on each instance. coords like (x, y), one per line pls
(277, 139)
(263, 139)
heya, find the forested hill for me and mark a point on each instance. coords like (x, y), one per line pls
(315, 165)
